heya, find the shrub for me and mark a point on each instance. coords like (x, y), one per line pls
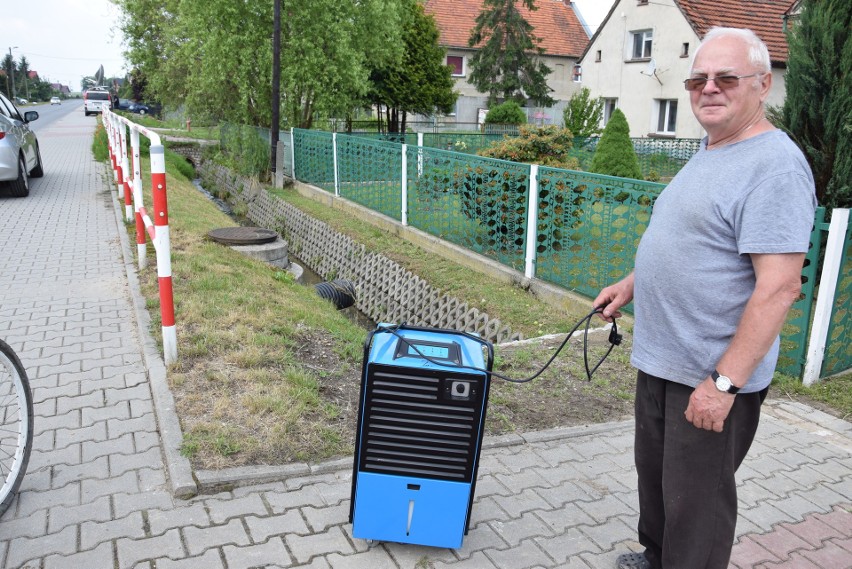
(615, 155)
(509, 112)
(544, 145)
(583, 114)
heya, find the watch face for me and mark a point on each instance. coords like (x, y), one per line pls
(723, 383)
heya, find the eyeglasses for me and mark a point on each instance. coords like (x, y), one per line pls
(723, 82)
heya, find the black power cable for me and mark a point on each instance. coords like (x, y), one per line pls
(614, 340)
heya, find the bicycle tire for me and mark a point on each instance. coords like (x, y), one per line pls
(16, 424)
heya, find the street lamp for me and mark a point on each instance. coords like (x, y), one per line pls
(12, 70)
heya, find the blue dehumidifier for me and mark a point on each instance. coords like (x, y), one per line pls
(419, 433)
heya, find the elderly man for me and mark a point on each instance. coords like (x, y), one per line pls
(715, 274)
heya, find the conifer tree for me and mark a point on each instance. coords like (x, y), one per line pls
(505, 64)
(817, 111)
(615, 155)
(419, 81)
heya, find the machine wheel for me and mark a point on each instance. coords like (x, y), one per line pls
(20, 188)
(38, 171)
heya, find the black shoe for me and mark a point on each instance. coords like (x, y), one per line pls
(632, 561)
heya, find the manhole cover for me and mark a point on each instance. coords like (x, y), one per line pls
(242, 235)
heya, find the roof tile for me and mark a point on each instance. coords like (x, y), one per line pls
(763, 17)
(554, 22)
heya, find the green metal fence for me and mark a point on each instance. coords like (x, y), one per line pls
(838, 347)
(370, 173)
(478, 203)
(314, 158)
(658, 157)
(794, 335)
(587, 229)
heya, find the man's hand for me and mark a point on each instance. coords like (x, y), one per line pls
(614, 297)
(708, 407)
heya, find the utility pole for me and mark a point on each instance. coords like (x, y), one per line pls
(276, 84)
(12, 71)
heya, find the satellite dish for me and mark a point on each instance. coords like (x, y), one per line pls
(651, 70)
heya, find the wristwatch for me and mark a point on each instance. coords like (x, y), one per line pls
(724, 383)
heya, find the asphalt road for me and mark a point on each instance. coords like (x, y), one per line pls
(49, 114)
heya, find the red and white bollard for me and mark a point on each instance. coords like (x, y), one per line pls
(163, 248)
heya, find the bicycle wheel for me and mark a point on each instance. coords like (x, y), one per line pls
(16, 424)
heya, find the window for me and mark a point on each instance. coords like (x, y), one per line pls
(642, 41)
(455, 110)
(598, 55)
(577, 76)
(684, 49)
(457, 63)
(666, 116)
(609, 106)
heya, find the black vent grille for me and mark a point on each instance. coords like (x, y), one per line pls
(410, 427)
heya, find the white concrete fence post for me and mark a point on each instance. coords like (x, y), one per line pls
(825, 299)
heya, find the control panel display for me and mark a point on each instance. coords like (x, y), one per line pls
(449, 352)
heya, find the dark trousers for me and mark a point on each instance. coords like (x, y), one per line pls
(687, 490)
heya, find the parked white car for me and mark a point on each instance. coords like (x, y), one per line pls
(20, 157)
(94, 100)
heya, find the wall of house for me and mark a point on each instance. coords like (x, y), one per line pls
(640, 84)
(471, 101)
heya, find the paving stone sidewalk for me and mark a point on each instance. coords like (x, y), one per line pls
(99, 490)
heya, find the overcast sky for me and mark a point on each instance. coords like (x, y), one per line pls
(66, 40)
(594, 11)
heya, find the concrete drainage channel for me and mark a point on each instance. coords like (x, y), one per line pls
(267, 246)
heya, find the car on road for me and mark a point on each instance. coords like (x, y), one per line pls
(95, 99)
(55, 101)
(22, 101)
(20, 157)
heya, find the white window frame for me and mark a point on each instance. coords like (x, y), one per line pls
(663, 116)
(610, 104)
(577, 73)
(645, 44)
(463, 65)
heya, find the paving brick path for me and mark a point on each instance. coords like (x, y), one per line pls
(98, 493)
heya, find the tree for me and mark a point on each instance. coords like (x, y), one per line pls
(817, 111)
(509, 112)
(215, 56)
(615, 155)
(583, 114)
(419, 81)
(23, 77)
(8, 69)
(505, 64)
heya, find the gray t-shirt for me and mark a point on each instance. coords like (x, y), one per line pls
(693, 274)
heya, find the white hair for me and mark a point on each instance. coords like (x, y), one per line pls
(758, 54)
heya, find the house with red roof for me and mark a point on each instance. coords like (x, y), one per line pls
(641, 53)
(556, 23)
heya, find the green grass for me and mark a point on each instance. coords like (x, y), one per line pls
(834, 392)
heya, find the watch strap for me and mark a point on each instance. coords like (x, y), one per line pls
(733, 389)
